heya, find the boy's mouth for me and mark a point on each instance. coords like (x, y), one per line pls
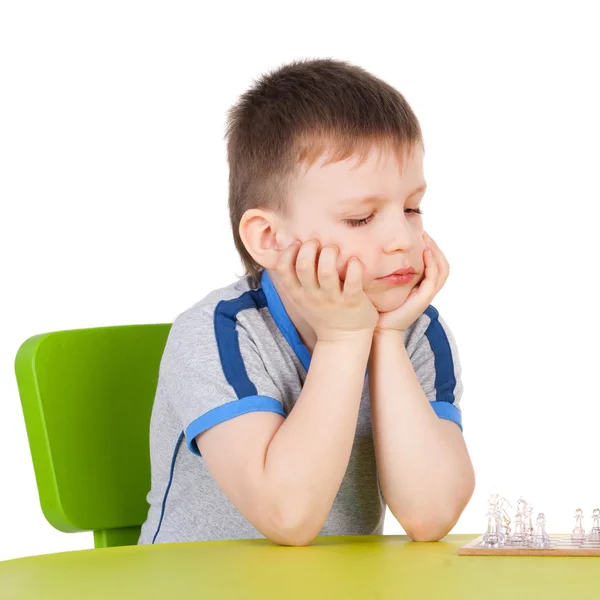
(398, 279)
(404, 271)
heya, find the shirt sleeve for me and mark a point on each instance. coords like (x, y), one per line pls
(434, 356)
(212, 371)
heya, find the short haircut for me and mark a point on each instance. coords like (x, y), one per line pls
(291, 116)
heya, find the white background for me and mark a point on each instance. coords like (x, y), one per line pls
(113, 189)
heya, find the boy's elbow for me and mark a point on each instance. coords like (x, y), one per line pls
(432, 527)
(290, 528)
(289, 535)
(291, 538)
(428, 531)
(433, 524)
(438, 522)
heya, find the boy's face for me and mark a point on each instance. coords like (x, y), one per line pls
(383, 231)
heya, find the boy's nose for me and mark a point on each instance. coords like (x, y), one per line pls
(399, 236)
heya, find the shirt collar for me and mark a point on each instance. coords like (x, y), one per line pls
(283, 321)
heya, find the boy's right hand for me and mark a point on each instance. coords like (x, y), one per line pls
(331, 308)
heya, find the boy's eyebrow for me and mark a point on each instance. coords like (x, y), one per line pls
(370, 199)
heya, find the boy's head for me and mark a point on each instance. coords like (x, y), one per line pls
(322, 149)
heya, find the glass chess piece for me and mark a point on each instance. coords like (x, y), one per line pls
(521, 504)
(540, 537)
(528, 525)
(578, 534)
(594, 534)
(504, 518)
(518, 537)
(493, 536)
(493, 500)
(492, 503)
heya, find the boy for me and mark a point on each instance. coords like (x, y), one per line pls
(304, 397)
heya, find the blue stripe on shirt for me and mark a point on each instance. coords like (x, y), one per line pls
(171, 473)
(225, 322)
(448, 411)
(229, 411)
(445, 382)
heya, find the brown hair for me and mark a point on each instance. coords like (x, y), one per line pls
(291, 116)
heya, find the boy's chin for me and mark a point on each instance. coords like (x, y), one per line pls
(390, 299)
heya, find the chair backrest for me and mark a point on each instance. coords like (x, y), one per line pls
(87, 397)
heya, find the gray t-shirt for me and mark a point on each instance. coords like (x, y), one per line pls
(235, 352)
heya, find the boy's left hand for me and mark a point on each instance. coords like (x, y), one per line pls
(436, 273)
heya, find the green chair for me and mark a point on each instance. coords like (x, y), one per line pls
(87, 397)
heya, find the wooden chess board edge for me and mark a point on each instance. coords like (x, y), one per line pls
(471, 549)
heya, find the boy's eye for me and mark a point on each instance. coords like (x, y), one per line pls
(359, 222)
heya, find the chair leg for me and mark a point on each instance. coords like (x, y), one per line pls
(124, 536)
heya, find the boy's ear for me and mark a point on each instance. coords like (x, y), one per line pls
(261, 234)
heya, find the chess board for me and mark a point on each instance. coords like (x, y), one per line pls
(560, 545)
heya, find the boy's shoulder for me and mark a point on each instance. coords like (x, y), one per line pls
(219, 319)
(237, 295)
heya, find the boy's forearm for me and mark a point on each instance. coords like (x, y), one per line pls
(423, 464)
(308, 456)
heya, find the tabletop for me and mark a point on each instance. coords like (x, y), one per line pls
(380, 567)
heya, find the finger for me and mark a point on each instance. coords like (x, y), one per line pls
(441, 263)
(444, 271)
(431, 256)
(354, 274)
(436, 251)
(444, 266)
(329, 279)
(432, 267)
(427, 287)
(286, 267)
(306, 264)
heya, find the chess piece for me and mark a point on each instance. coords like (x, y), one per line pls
(493, 500)
(528, 525)
(540, 537)
(518, 537)
(578, 534)
(594, 534)
(504, 518)
(494, 536)
(521, 505)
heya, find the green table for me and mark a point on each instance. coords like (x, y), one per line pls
(343, 567)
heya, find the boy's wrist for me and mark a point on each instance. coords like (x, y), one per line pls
(347, 337)
(388, 334)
